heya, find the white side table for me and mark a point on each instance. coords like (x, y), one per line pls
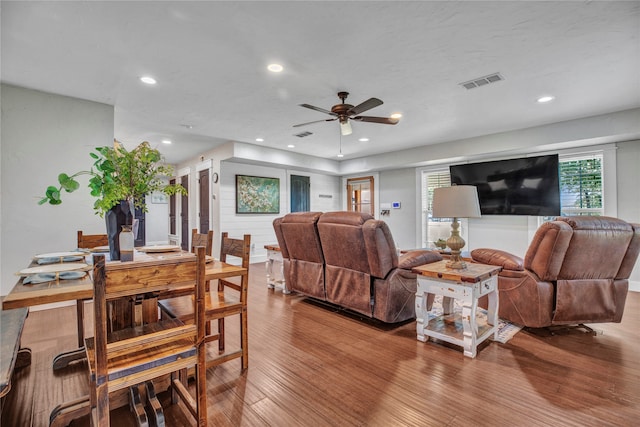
(275, 278)
(466, 285)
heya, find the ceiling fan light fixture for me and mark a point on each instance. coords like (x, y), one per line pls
(396, 115)
(345, 127)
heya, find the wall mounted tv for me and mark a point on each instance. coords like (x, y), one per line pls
(526, 186)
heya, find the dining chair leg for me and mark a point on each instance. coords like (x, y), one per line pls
(221, 335)
(136, 407)
(80, 321)
(244, 336)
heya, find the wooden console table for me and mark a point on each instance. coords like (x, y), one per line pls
(467, 285)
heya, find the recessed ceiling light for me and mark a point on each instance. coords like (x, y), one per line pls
(363, 139)
(259, 139)
(340, 155)
(396, 115)
(291, 146)
(148, 80)
(185, 125)
(166, 141)
(275, 68)
(546, 98)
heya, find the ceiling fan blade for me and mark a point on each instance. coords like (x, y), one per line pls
(322, 110)
(315, 121)
(366, 105)
(383, 120)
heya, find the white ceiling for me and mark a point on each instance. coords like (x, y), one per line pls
(210, 61)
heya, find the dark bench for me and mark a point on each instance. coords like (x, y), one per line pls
(11, 355)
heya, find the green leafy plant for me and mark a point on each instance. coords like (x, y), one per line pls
(118, 174)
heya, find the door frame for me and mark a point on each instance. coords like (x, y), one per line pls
(376, 191)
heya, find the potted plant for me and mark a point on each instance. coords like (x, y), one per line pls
(119, 180)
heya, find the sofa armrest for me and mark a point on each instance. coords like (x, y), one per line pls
(497, 257)
(417, 257)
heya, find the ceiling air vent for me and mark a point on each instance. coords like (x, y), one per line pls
(302, 134)
(481, 81)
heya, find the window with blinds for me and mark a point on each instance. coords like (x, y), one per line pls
(581, 189)
(433, 228)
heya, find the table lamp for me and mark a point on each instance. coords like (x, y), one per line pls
(458, 201)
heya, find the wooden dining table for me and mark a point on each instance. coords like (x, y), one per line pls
(56, 291)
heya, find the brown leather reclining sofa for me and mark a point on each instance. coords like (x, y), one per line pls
(575, 271)
(350, 259)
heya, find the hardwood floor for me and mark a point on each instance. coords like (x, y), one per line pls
(312, 365)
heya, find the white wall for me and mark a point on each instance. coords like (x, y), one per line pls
(156, 223)
(43, 135)
(628, 183)
(400, 186)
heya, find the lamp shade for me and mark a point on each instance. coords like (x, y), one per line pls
(458, 201)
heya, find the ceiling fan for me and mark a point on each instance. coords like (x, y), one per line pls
(345, 112)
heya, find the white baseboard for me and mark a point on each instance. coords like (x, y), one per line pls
(634, 286)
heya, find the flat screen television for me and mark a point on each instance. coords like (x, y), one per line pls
(525, 186)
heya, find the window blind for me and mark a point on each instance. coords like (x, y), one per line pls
(430, 181)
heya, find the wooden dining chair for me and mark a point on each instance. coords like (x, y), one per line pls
(86, 241)
(138, 354)
(202, 239)
(229, 299)
(90, 241)
(197, 239)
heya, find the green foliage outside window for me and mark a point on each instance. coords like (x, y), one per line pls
(581, 186)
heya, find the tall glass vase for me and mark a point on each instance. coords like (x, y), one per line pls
(126, 240)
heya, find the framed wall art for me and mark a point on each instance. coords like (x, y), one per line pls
(257, 195)
(159, 198)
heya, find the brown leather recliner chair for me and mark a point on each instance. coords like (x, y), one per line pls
(363, 272)
(297, 235)
(575, 271)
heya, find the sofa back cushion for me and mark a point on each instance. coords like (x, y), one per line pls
(303, 260)
(356, 241)
(581, 247)
(297, 236)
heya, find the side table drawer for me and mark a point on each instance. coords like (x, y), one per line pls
(487, 285)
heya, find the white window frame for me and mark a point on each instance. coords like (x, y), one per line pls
(422, 212)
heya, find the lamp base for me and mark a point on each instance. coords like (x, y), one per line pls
(456, 264)
(455, 243)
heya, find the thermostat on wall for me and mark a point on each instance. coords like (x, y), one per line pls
(395, 205)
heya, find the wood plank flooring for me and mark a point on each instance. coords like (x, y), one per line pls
(314, 365)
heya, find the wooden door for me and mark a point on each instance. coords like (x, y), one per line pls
(203, 194)
(184, 215)
(172, 211)
(141, 237)
(300, 193)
